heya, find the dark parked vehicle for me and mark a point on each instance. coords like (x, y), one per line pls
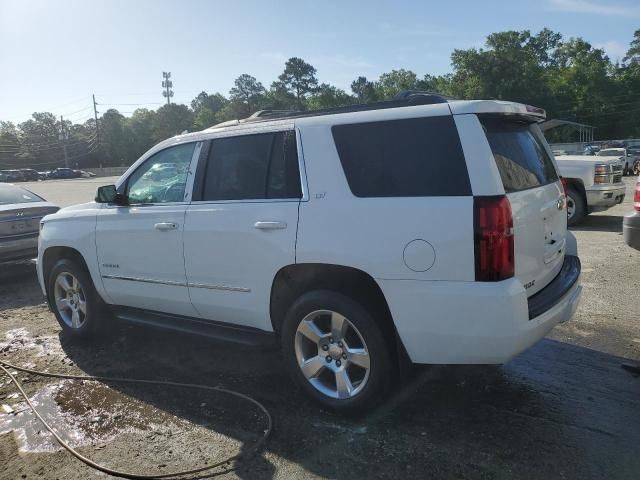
(30, 175)
(20, 215)
(64, 173)
(12, 176)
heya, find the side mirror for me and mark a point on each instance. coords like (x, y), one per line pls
(109, 194)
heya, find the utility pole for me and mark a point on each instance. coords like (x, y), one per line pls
(95, 115)
(167, 84)
(63, 139)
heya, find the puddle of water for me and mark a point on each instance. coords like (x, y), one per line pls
(84, 413)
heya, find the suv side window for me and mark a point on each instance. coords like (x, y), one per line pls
(415, 157)
(251, 167)
(162, 177)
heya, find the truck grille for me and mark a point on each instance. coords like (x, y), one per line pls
(617, 173)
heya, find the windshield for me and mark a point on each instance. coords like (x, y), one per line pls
(10, 194)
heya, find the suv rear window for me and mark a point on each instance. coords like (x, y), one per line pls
(520, 156)
(416, 157)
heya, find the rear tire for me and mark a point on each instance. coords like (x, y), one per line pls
(336, 351)
(73, 299)
(576, 208)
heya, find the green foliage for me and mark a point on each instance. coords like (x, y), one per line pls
(364, 90)
(327, 96)
(570, 78)
(389, 84)
(299, 79)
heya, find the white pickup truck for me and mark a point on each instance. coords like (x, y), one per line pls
(593, 184)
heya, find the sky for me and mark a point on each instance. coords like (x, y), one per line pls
(56, 53)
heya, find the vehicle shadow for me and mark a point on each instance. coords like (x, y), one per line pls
(557, 410)
(600, 223)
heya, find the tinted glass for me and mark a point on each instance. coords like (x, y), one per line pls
(415, 157)
(253, 167)
(10, 194)
(521, 159)
(161, 178)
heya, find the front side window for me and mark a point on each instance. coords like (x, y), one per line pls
(253, 167)
(162, 178)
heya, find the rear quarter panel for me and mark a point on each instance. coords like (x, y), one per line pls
(372, 234)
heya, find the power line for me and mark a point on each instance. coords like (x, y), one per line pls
(130, 104)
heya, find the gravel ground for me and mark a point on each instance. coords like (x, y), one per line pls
(563, 409)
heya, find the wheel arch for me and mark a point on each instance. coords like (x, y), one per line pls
(294, 280)
(578, 185)
(52, 254)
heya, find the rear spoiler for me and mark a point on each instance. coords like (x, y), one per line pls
(529, 112)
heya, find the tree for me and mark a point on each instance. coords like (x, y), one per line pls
(9, 145)
(171, 120)
(513, 67)
(633, 54)
(140, 127)
(391, 83)
(327, 96)
(248, 92)
(364, 90)
(299, 79)
(39, 140)
(206, 109)
(115, 139)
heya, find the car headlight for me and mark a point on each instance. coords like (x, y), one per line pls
(602, 169)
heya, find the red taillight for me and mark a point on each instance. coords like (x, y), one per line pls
(493, 232)
(636, 197)
(564, 185)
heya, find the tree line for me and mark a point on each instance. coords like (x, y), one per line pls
(570, 78)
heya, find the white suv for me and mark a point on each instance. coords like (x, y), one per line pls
(419, 228)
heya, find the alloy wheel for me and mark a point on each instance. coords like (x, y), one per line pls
(332, 354)
(571, 208)
(71, 302)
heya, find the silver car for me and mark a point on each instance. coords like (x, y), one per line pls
(20, 215)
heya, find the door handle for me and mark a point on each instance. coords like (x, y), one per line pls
(166, 226)
(270, 225)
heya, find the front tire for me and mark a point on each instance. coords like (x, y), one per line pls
(73, 298)
(336, 351)
(576, 208)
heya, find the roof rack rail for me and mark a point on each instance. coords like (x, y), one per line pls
(419, 97)
(261, 114)
(406, 98)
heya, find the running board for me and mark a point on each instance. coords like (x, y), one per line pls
(196, 326)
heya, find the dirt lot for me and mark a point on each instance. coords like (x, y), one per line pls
(564, 409)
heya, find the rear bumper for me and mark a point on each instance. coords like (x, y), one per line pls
(474, 322)
(18, 248)
(603, 197)
(631, 230)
